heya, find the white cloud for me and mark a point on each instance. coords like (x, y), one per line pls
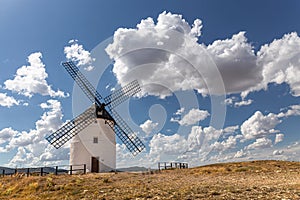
(240, 154)
(192, 117)
(229, 101)
(148, 126)
(31, 79)
(179, 111)
(7, 134)
(167, 67)
(78, 54)
(278, 152)
(243, 103)
(260, 143)
(202, 138)
(236, 62)
(162, 144)
(229, 143)
(280, 61)
(173, 147)
(259, 125)
(293, 110)
(166, 57)
(203, 145)
(7, 101)
(32, 147)
(279, 138)
(231, 129)
(235, 101)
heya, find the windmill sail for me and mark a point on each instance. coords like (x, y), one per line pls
(121, 95)
(72, 128)
(83, 83)
(125, 134)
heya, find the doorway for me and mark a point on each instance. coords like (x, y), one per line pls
(95, 164)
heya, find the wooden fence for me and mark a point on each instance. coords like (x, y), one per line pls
(41, 171)
(172, 165)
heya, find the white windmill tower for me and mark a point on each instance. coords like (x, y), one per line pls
(93, 132)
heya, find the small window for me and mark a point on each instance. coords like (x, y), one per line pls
(95, 140)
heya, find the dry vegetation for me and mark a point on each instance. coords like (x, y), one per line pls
(247, 180)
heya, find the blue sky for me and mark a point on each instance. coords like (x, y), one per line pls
(249, 81)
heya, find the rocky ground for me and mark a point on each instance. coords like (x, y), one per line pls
(246, 180)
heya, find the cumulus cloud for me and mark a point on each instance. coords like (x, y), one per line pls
(148, 126)
(31, 146)
(166, 57)
(240, 154)
(7, 134)
(202, 138)
(207, 144)
(161, 145)
(279, 138)
(234, 101)
(180, 111)
(31, 79)
(171, 59)
(260, 143)
(259, 125)
(236, 61)
(79, 55)
(243, 103)
(192, 117)
(194, 147)
(293, 110)
(278, 152)
(229, 143)
(7, 101)
(280, 63)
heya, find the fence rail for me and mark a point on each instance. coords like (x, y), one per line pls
(62, 169)
(172, 165)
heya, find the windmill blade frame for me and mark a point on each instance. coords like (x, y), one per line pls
(82, 82)
(72, 128)
(125, 134)
(121, 95)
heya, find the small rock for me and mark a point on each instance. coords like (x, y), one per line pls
(85, 191)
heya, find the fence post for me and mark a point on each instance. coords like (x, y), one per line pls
(70, 169)
(56, 170)
(84, 168)
(27, 172)
(41, 171)
(3, 172)
(16, 171)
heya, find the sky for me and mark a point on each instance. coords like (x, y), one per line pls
(219, 79)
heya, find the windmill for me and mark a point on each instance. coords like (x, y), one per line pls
(97, 127)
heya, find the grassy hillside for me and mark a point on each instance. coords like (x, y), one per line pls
(246, 180)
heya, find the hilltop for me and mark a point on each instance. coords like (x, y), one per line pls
(241, 180)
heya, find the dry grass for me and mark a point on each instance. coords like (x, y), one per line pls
(247, 180)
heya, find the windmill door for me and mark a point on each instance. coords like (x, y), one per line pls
(95, 164)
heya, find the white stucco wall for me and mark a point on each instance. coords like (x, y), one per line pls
(83, 148)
